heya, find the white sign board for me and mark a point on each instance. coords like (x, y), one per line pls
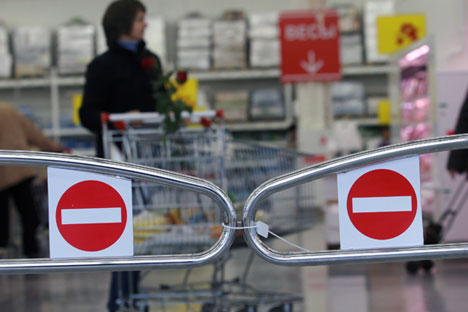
(380, 206)
(90, 215)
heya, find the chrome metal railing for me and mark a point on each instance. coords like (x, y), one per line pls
(224, 242)
(127, 170)
(338, 165)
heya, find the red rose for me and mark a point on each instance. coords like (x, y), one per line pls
(148, 63)
(220, 113)
(205, 122)
(181, 76)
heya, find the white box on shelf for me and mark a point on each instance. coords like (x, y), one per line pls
(200, 61)
(234, 104)
(267, 104)
(4, 46)
(200, 52)
(31, 46)
(372, 10)
(264, 53)
(348, 18)
(348, 98)
(194, 43)
(264, 32)
(183, 43)
(5, 65)
(188, 23)
(229, 33)
(227, 58)
(378, 6)
(351, 49)
(264, 18)
(75, 48)
(194, 32)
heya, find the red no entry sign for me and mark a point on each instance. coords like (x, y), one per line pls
(91, 215)
(382, 204)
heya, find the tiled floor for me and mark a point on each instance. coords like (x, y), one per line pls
(367, 288)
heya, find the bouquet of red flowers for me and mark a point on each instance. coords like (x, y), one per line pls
(163, 90)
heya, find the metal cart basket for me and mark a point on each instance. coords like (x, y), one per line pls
(174, 221)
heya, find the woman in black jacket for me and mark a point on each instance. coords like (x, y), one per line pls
(120, 80)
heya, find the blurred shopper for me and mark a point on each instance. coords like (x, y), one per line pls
(19, 133)
(119, 81)
(458, 159)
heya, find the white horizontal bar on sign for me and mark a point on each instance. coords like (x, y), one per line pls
(381, 204)
(91, 215)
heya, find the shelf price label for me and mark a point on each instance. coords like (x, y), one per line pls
(310, 48)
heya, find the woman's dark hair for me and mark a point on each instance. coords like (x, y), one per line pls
(118, 19)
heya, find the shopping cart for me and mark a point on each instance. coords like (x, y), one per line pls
(173, 221)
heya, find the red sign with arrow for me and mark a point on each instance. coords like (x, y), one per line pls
(310, 46)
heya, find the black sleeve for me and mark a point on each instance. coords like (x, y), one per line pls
(159, 73)
(96, 93)
(458, 158)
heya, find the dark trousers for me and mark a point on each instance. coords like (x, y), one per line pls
(122, 284)
(22, 196)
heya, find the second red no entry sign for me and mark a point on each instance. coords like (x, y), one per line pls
(382, 204)
(379, 205)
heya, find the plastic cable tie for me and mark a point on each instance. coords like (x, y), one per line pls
(262, 229)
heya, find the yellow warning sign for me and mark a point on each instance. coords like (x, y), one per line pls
(396, 32)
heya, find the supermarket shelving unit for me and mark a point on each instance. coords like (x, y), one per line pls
(55, 83)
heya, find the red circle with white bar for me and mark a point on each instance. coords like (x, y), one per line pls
(382, 204)
(91, 215)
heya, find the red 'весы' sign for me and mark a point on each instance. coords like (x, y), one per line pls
(310, 46)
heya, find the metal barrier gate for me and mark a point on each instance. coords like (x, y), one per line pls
(459, 250)
(223, 244)
(104, 166)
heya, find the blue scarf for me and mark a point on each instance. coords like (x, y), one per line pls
(128, 45)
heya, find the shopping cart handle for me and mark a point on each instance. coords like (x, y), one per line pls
(342, 164)
(105, 118)
(105, 166)
(156, 117)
